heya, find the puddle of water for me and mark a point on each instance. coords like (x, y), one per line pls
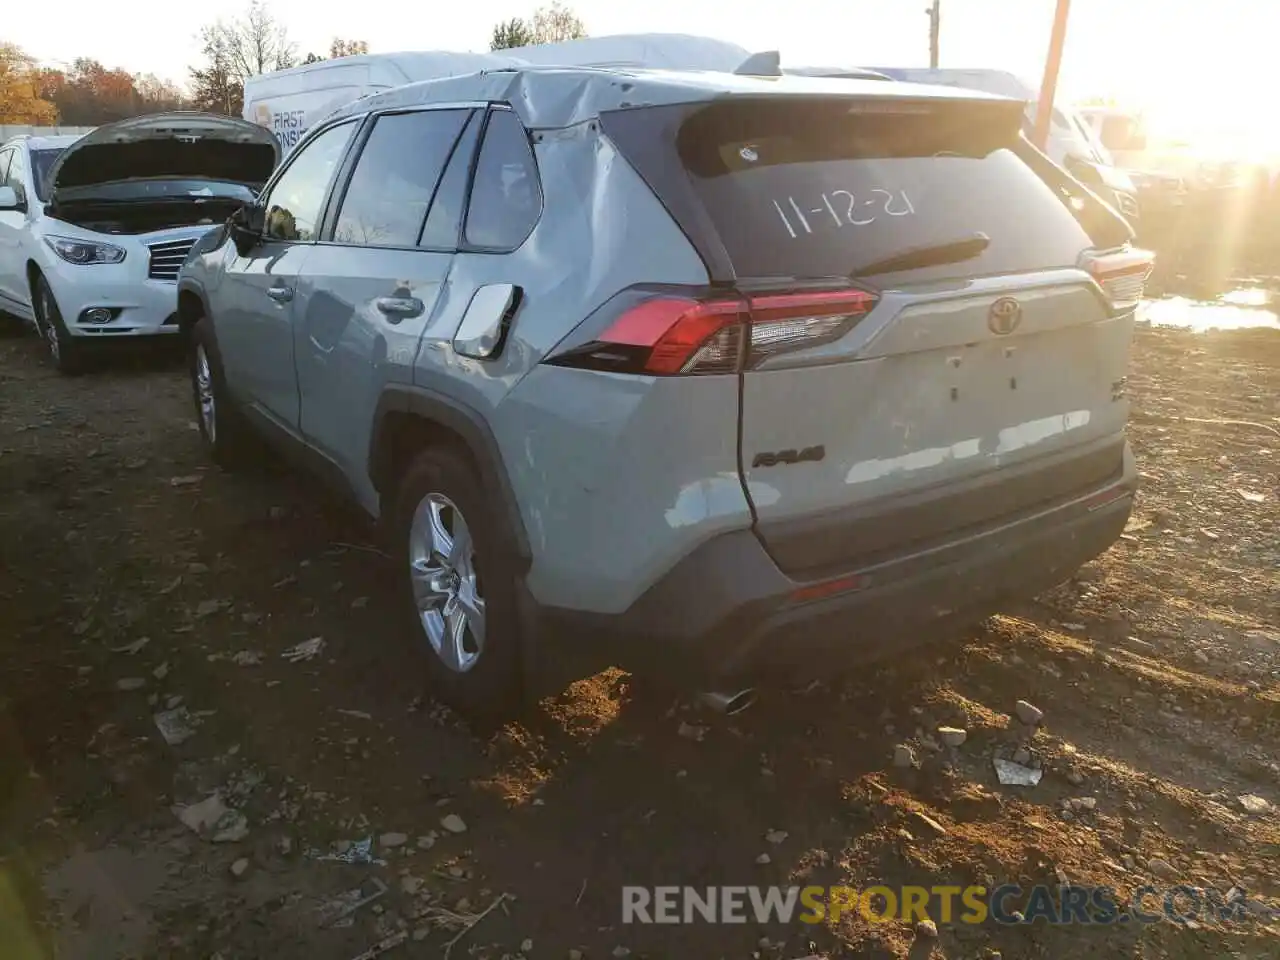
(1248, 297)
(1237, 310)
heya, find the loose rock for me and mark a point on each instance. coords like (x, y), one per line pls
(454, 823)
(903, 756)
(1162, 868)
(776, 836)
(390, 840)
(240, 868)
(1254, 804)
(763, 859)
(952, 736)
(1028, 713)
(131, 683)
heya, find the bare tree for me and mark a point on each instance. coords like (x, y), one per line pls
(253, 43)
(556, 22)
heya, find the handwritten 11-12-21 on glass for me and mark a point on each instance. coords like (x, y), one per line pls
(840, 208)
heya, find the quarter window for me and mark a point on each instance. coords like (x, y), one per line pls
(296, 201)
(401, 163)
(506, 198)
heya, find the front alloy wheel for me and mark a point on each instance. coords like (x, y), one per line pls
(204, 395)
(446, 585)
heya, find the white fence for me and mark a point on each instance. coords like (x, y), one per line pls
(8, 130)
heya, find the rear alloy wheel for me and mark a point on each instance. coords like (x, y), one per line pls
(446, 584)
(458, 587)
(67, 356)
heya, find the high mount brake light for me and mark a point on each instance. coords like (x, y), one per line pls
(1122, 275)
(669, 335)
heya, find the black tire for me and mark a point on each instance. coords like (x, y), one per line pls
(492, 690)
(225, 433)
(69, 356)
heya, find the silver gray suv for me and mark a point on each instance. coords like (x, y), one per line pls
(716, 375)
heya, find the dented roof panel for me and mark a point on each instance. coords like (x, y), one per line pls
(555, 97)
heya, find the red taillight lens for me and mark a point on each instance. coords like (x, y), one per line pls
(1122, 275)
(666, 335)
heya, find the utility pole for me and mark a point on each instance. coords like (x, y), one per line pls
(934, 12)
(1044, 112)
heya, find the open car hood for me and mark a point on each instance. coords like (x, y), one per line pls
(182, 145)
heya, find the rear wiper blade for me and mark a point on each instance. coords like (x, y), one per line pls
(932, 255)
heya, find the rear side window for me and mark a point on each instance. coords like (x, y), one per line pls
(297, 198)
(506, 199)
(818, 188)
(444, 222)
(387, 199)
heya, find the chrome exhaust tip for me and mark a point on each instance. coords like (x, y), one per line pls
(729, 703)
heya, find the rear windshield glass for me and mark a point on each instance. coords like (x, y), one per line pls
(813, 189)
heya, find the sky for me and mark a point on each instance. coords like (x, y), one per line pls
(1185, 61)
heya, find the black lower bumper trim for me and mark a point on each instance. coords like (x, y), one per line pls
(727, 614)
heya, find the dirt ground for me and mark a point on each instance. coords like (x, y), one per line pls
(137, 579)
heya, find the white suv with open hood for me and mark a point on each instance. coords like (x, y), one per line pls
(93, 230)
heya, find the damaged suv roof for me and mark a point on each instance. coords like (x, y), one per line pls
(556, 97)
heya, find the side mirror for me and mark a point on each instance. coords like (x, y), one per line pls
(246, 228)
(9, 199)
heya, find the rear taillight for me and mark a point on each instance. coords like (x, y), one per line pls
(1122, 275)
(666, 335)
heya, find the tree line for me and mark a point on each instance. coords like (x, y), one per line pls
(88, 93)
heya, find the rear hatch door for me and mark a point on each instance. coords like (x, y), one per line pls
(984, 372)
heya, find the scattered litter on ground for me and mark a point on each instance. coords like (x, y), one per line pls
(358, 851)
(187, 481)
(691, 731)
(358, 714)
(1015, 774)
(176, 725)
(247, 658)
(338, 911)
(306, 650)
(383, 945)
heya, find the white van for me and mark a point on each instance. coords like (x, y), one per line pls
(1072, 143)
(288, 102)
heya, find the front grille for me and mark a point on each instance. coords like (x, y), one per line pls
(167, 257)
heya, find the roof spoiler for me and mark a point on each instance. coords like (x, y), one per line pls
(767, 63)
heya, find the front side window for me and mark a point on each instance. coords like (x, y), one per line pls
(41, 165)
(16, 175)
(296, 201)
(4, 166)
(395, 178)
(506, 198)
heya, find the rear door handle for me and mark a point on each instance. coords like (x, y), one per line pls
(399, 308)
(280, 294)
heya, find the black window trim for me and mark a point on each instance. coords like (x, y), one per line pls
(474, 144)
(346, 171)
(463, 245)
(313, 135)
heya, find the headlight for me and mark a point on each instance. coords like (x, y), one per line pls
(84, 251)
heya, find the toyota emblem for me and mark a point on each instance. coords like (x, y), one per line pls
(1004, 317)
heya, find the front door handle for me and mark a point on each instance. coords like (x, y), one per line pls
(399, 308)
(280, 294)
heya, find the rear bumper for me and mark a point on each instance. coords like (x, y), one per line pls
(727, 614)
